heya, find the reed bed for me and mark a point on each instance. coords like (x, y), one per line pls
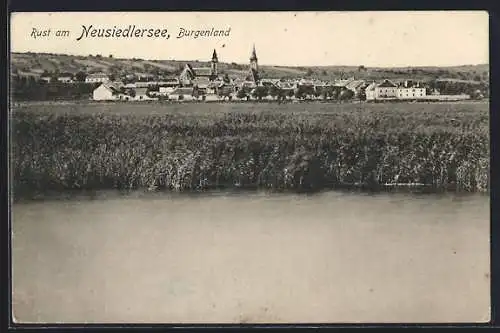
(291, 147)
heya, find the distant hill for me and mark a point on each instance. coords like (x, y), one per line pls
(35, 64)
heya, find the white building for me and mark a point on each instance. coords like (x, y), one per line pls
(370, 91)
(65, 79)
(107, 91)
(97, 78)
(182, 94)
(141, 94)
(410, 90)
(355, 86)
(381, 91)
(47, 79)
(166, 90)
(386, 90)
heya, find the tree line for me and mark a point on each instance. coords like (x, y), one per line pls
(29, 88)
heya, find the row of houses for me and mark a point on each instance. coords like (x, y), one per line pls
(70, 78)
(207, 83)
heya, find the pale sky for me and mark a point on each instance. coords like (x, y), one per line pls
(386, 39)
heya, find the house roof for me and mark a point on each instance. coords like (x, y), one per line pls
(201, 80)
(249, 84)
(202, 71)
(98, 76)
(355, 84)
(341, 83)
(182, 91)
(410, 84)
(141, 91)
(371, 86)
(170, 80)
(306, 82)
(270, 80)
(252, 75)
(113, 86)
(140, 84)
(285, 85)
(386, 84)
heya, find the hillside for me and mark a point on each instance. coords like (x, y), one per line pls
(35, 64)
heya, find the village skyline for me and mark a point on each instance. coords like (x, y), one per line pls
(371, 39)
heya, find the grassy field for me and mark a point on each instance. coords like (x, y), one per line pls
(62, 147)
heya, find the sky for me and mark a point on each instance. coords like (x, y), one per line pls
(372, 39)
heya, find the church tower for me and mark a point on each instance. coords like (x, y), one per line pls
(215, 60)
(253, 60)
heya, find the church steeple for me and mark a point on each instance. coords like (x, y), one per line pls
(213, 66)
(253, 59)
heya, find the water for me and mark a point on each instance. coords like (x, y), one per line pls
(252, 258)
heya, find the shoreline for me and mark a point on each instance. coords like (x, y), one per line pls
(155, 102)
(103, 194)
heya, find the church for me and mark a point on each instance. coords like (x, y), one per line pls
(205, 76)
(200, 75)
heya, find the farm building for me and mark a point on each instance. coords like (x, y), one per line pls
(169, 82)
(225, 90)
(65, 78)
(97, 78)
(108, 91)
(45, 78)
(305, 83)
(141, 94)
(356, 86)
(204, 85)
(370, 91)
(166, 90)
(182, 94)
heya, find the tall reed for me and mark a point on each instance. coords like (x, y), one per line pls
(274, 149)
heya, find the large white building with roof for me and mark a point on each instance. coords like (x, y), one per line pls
(411, 90)
(384, 90)
(108, 91)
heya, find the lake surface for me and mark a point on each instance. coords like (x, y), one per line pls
(252, 258)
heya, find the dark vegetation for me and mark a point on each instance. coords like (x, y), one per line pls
(303, 147)
(30, 89)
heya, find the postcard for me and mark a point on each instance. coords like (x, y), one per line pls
(250, 167)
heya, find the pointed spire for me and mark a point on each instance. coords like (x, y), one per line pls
(214, 56)
(254, 54)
